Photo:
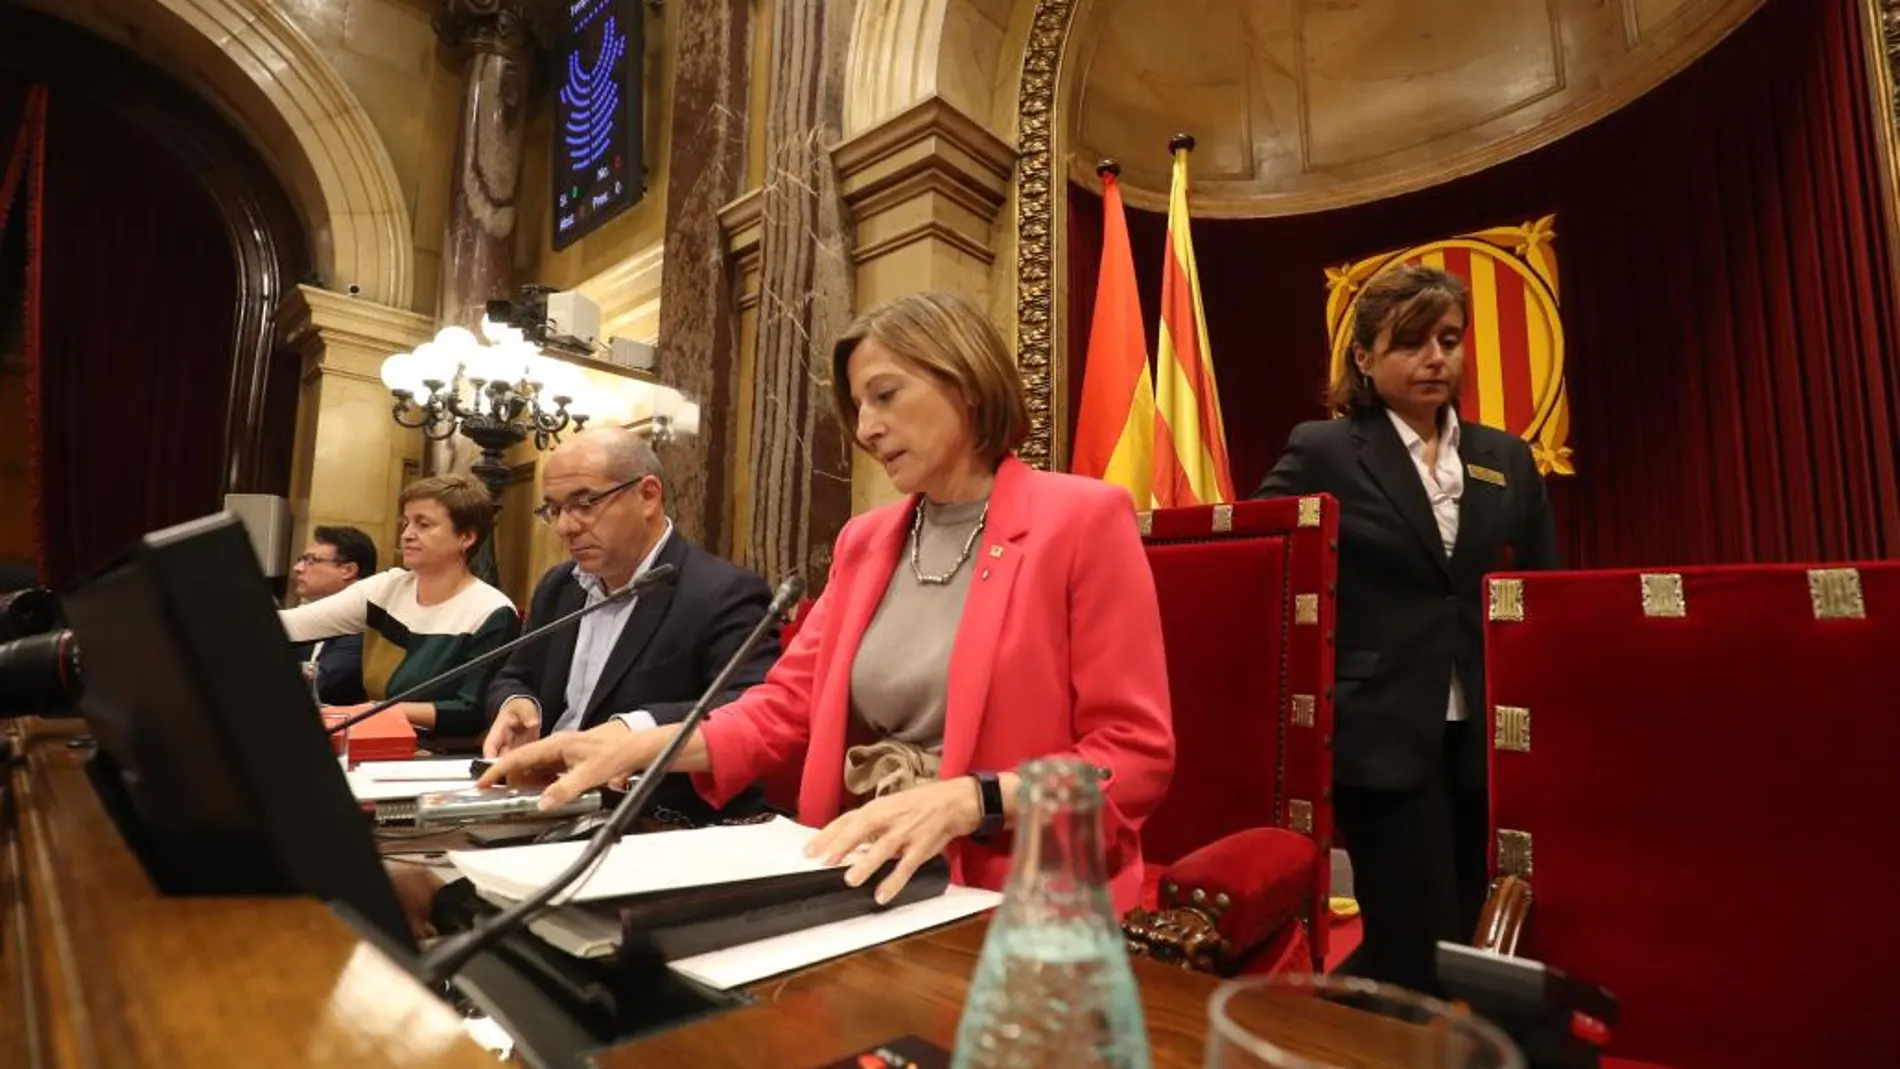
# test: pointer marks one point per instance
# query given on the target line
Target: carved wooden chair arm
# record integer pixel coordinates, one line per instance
(1222, 904)
(1187, 935)
(1507, 909)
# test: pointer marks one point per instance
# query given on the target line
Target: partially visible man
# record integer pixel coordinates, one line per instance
(335, 558)
(605, 495)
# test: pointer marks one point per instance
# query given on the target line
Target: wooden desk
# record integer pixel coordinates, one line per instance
(911, 987)
(98, 969)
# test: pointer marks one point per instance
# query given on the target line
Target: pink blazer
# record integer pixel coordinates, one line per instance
(1058, 652)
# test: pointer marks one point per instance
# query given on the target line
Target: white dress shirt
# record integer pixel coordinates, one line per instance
(595, 638)
(1444, 485)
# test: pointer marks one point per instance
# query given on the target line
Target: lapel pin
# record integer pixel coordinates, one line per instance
(1484, 474)
(996, 552)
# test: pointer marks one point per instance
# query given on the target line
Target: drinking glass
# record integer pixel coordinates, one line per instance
(1339, 1022)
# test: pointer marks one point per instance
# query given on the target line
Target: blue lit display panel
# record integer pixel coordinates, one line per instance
(598, 170)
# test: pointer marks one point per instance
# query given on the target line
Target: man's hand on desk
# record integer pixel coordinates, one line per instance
(568, 763)
(517, 724)
(912, 826)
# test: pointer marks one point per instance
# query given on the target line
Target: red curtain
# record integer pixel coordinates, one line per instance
(130, 343)
(22, 137)
(1728, 303)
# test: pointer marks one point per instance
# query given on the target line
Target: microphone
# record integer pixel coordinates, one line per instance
(446, 958)
(659, 573)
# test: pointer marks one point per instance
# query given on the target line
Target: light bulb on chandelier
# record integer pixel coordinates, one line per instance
(498, 393)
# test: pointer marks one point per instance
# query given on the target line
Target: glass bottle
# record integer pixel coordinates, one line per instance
(1053, 988)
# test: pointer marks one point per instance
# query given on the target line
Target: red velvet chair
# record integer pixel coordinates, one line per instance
(1241, 849)
(1695, 781)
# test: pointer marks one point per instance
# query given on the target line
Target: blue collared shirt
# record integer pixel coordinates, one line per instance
(596, 636)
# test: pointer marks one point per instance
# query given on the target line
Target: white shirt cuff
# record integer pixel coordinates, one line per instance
(638, 720)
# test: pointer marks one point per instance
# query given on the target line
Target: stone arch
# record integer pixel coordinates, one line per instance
(270, 80)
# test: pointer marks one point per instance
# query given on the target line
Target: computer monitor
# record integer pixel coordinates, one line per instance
(213, 761)
(211, 756)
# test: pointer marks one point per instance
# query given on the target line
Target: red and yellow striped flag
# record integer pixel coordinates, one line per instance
(1190, 464)
(1114, 432)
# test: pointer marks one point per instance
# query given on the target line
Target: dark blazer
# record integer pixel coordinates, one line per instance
(1408, 614)
(675, 641)
(339, 669)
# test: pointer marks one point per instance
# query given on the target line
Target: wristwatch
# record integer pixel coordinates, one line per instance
(991, 792)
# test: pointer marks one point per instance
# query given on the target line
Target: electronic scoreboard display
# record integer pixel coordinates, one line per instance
(598, 170)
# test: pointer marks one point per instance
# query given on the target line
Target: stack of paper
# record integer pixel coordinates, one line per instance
(638, 864)
(385, 781)
(735, 966)
(666, 861)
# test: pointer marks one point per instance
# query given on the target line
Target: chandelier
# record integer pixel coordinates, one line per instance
(496, 394)
(500, 393)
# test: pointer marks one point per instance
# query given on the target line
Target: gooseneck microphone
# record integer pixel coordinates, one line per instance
(447, 957)
(654, 576)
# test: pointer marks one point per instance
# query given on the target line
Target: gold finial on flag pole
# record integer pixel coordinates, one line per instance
(1181, 141)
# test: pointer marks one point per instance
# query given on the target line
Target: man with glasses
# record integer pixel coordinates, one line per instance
(604, 494)
(335, 558)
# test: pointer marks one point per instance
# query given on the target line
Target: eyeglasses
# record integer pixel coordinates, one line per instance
(311, 558)
(582, 507)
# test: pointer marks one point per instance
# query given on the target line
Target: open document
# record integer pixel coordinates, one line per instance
(638, 868)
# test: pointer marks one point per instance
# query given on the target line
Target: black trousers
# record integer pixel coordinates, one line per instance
(1418, 868)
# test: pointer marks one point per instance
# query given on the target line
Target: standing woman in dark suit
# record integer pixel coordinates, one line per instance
(1428, 505)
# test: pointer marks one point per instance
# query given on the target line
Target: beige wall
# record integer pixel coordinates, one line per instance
(387, 54)
(350, 459)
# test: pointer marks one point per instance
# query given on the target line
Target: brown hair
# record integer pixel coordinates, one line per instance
(1411, 298)
(467, 501)
(950, 339)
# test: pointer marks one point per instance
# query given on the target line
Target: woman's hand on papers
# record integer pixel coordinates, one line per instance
(911, 826)
(569, 762)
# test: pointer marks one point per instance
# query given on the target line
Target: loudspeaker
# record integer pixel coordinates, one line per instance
(267, 521)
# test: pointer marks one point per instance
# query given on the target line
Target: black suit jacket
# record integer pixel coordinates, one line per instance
(1408, 615)
(339, 669)
(674, 643)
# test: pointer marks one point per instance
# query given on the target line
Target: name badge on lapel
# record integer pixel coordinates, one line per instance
(1484, 474)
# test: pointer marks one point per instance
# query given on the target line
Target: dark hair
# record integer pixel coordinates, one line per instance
(352, 547)
(1409, 297)
(950, 339)
(467, 501)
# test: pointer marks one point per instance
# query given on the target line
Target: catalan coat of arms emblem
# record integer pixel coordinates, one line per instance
(1514, 348)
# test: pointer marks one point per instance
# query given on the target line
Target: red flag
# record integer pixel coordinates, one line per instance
(1114, 434)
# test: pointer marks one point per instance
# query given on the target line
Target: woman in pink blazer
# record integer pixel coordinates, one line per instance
(995, 615)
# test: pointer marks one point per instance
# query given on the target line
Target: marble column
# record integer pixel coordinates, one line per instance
(698, 344)
(799, 459)
(479, 242)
